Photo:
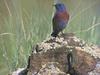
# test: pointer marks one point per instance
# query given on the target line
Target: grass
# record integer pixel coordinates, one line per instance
(29, 22)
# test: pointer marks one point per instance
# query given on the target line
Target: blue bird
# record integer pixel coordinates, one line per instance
(60, 19)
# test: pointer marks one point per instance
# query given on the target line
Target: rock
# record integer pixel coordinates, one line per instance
(53, 52)
(86, 62)
(50, 68)
(50, 56)
(18, 71)
(96, 71)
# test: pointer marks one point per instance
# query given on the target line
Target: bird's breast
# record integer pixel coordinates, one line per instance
(62, 16)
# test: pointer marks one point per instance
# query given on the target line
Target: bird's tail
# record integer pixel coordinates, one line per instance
(54, 34)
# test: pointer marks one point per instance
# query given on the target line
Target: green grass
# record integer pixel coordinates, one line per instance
(29, 22)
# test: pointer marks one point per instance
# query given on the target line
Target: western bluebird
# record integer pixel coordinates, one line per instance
(60, 19)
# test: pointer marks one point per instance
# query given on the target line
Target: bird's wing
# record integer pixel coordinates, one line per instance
(54, 22)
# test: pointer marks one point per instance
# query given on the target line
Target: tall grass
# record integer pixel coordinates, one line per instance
(29, 22)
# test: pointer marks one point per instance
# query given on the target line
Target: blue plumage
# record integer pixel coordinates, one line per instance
(60, 19)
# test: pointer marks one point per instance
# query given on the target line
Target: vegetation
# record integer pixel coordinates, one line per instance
(24, 23)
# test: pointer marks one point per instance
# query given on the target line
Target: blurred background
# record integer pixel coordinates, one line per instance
(23, 23)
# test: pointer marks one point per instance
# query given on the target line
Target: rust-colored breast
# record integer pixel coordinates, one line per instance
(64, 16)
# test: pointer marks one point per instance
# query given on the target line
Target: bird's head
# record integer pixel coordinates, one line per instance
(60, 7)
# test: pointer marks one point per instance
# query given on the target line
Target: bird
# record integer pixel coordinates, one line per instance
(60, 19)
